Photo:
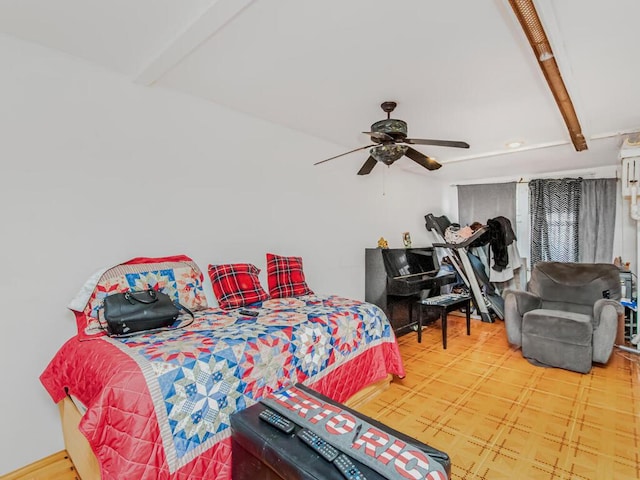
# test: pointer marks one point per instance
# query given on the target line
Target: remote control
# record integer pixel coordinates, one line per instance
(277, 420)
(327, 451)
(250, 313)
(348, 469)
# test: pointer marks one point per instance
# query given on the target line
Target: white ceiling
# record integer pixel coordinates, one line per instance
(459, 69)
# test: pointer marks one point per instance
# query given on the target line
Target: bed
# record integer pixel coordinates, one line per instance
(157, 405)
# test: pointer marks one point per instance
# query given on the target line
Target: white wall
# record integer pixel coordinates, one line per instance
(96, 170)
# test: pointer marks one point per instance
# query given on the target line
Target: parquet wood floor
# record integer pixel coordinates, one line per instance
(499, 417)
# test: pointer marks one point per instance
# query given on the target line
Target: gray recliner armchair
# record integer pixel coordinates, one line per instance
(568, 317)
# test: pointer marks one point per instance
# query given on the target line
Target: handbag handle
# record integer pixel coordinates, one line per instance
(152, 297)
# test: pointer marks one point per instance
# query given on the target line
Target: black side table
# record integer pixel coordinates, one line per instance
(443, 304)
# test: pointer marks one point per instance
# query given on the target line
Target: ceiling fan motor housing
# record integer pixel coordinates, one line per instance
(388, 152)
(392, 127)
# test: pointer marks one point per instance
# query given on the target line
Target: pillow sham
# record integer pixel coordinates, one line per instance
(177, 276)
(236, 284)
(285, 277)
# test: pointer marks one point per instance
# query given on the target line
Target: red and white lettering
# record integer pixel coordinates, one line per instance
(436, 475)
(371, 440)
(391, 452)
(296, 401)
(325, 411)
(412, 464)
(340, 424)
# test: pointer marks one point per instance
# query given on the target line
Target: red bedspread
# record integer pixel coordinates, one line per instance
(158, 409)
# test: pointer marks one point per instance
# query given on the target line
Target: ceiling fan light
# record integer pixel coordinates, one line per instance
(388, 154)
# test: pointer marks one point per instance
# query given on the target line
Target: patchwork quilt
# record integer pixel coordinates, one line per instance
(158, 404)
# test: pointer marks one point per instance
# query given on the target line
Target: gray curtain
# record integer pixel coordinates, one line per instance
(479, 203)
(597, 220)
(554, 207)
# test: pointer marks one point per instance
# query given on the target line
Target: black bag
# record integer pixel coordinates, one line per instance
(132, 312)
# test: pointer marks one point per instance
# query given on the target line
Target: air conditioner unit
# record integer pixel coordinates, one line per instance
(630, 156)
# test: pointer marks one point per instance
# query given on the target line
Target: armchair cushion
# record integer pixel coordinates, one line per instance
(558, 339)
(565, 327)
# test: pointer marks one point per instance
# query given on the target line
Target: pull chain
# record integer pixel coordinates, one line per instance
(384, 181)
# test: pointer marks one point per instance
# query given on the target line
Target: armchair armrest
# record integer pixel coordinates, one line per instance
(606, 315)
(599, 306)
(516, 304)
(525, 301)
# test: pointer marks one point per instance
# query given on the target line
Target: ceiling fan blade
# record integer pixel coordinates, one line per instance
(422, 159)
(368, 166)
(379, 136)
(343, 154)
(437, 143)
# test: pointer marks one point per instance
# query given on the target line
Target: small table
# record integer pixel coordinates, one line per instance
(443, 304)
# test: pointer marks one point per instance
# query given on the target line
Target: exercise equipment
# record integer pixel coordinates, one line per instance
(469, 267)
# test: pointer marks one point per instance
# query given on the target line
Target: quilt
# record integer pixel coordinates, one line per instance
(158, 404)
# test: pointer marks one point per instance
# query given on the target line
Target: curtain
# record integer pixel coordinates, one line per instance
(479, 203)
(554, 206)
(572, 220)
(597, 220)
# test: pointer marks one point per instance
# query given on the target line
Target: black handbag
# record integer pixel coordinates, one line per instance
(132, 312)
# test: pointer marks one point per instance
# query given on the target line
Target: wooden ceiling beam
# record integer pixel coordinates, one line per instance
(527, 15)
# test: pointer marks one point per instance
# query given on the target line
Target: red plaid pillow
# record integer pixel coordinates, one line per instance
(285, 277)
(236, 285)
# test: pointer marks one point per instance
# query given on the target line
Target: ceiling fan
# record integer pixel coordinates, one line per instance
(390, 142)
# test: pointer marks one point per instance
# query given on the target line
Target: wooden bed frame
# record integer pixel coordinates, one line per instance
(86, 463)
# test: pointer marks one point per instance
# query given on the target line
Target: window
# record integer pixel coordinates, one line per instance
(572, 220)
(555, 210)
